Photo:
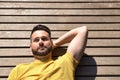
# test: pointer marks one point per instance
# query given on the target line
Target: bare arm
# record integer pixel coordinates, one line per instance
(77, 38)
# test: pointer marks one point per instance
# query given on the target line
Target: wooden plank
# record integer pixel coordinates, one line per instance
(93, 52)
(104, 34)
(1, 78)
(92, 61)
(58, 12)
(83, 70)
(13, 34)
(99, 63)
(60, 26)
(15, 52)
(4, 5)
(103, 42)
(15, 61)
(56, 34)
(99, 70)
(14, 43)
(62, 0)
(95, 61)
(103, 51)
(70, 19)
(91, 42)
(5, 52)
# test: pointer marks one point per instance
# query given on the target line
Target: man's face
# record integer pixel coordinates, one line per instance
(41, 44)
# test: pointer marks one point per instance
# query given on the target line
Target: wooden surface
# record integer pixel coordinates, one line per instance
(101, 60)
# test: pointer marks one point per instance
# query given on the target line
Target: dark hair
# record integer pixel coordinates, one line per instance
(41, 27)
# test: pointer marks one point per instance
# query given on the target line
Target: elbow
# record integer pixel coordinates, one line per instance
(83, 29)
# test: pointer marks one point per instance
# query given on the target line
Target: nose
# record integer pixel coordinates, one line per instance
(40, 42)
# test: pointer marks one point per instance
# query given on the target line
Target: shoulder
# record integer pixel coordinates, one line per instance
(14, 72)
(23, 65)
(20, 67)
(67, 58)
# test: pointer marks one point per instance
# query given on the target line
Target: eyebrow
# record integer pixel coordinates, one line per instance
(41, 37)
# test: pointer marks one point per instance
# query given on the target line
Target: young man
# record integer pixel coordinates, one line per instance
(44, 67)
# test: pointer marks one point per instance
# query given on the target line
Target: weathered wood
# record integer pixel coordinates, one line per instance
(100, 70)
(58, 12)
(91, 42)
(103, 51)
(14, 5)
(62, 0)
(101, 60)
(53, 19)
(58, 27)
(15, 52)
(103, 42)
(6, 52)
(57, 34)
(12, 61)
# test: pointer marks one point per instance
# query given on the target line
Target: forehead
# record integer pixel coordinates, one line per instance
(40, 33)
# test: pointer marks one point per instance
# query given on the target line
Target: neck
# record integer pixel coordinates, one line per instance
(44, 58)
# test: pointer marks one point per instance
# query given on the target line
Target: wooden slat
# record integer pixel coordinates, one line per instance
(58, 12)
(13, 34)
(83, 70)
(103, 42)
(104, 34)
(91, 42)
(102, 70)
(1, 78)
(89, 51)
(15, 52)
(56, 34)
(39, 19)
(63, 0)
(12, 61)
(102, 55)
(103, 51)
(60, 26)
(58, 5)
(15, 61)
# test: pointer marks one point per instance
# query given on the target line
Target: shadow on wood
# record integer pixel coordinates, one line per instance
(58, 52)
(87, 69)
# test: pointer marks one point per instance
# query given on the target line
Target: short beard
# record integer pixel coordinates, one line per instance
(45, 53)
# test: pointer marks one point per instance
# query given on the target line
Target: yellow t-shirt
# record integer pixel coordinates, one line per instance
(61, 69)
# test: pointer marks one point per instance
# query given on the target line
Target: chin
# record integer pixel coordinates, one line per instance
(42, 53)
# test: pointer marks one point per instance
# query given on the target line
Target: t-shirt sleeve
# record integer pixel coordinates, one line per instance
(68, 57)
(68, 60)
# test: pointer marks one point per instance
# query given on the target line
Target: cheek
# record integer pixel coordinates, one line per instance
(34, 46)
(49, 43)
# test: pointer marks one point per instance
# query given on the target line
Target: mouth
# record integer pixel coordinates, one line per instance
(42, 51)
(41, 48)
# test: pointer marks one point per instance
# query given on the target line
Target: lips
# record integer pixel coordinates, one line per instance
(41, 48)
